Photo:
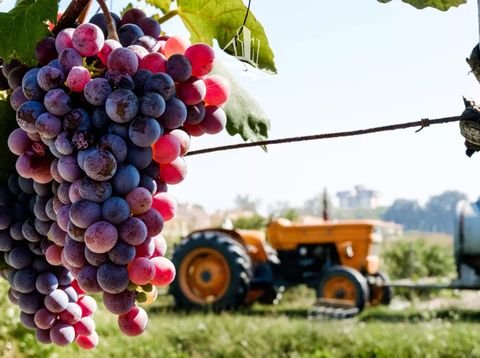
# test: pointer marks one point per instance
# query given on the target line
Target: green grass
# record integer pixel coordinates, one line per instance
(264, 331)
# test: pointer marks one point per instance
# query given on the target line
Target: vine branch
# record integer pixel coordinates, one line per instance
(70, 15)
(422, 123)
(112, 30)
(169, 15)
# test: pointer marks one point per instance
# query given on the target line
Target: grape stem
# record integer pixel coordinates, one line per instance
(112, 30)
(70, 15)
(83, 15)
(168, 16)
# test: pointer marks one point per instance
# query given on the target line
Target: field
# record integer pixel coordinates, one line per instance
(263, 331)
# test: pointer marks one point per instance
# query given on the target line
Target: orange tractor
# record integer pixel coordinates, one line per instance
(226, 269)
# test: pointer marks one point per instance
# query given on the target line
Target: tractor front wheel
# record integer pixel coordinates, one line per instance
(345, 285)
(213, 271)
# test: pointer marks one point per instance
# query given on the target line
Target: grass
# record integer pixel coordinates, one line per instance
(264, 331)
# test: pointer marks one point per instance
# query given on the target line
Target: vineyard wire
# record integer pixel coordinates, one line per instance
(421, 123)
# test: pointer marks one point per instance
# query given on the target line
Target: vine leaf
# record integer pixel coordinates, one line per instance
(163, 5)
(7, 124)
(207, 20)
(442, 5)
(244, 114)
(23, 26)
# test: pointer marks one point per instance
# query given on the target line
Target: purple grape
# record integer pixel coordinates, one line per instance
(120, 80)
(30, 302)
(43, 336)
(62, 193)
(100, 119)
(75, 232)
(44, 319)
(122, 106)
(175, 114)
(30, 86)
(133, 231)
(140, 51)
(149, 26)
(62, 334)
(45, 50)
(56, 301)
(96, 91)
(112, 278)
(195, 113)
(152, 104)
(115, 144)
(64, 39)
(46, 283)
(57, 235)
(121, 253)
(71, 293)
(101, 236)
(94, 258)
(73, 252)
(129, 33)
(132, 16)
(119, 303)
(57, 102)
(161, 83)
(48, 125)
(119, 129)
(99, 20)
(68, 59)
(139, 157)
(126, 179)
(154, 222)
(26, 185)
(39, 208)
(27, 320)
(63, 217)
(84, 213)
(149, 43)
(144, 131)
(18, 98)
(63, 144)
(115, 210)
(74, 191)
(100, 165)
(139, 79)
(24, 280)
(49, 77)
(77, 119)
(27, 115)
(95, 191)
(87, 279)
(81, 155)
(20, 257)
(68, 168)
(6, 241)
(179, 67)
(42, 227)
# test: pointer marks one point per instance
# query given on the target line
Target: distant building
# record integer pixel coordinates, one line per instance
(360, 198)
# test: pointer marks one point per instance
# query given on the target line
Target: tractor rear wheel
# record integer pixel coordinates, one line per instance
(344, 284)
(213, 271)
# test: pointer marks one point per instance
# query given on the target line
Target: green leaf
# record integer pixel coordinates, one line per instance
(23, 26)
(163, 5)
(221, 19)
(244, 114)
(442, 5)
(8, 123)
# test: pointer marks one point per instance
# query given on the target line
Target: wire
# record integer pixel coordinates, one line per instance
(422, 123)
(246, 17)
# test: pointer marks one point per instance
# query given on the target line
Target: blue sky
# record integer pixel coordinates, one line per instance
(346, 65)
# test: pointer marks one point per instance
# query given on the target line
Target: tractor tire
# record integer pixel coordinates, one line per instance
(344, 283)
(213, 272)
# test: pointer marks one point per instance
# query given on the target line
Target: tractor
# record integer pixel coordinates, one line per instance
(223, 269)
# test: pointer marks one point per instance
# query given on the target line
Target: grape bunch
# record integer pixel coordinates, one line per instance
(103, 128)
(50, 301)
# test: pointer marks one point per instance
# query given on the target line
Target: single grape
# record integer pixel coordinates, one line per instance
(18, 141)
(122, 253)
(192, 92)
(97, 91)
(173, 172)
(141, 271)
(149, 26)
(175, 114)
(139, 79)
(119, 303)
(101, 237)
(68, 168)
(57, 102)
(94, 258)
(30, 302)
(144, 131)
(46, 283)
(122, 106)
(44, 319)
(63, 143)
(175, 45)
(133, 231)
(86, 325)
(161, 83)
(139, 51)
(151, 44)
(165, 205)
(62, 334)
(132, 16)
(53, 255)
(56, 301)
(99, 20)
(108, 46)
(72, 314)
(30, 86)
(139, 157)
(95, 191)
(134, 322)
(139, 200)
(201, 57)
(48, 125)
(24, 280)
(43, 336)
(84, 213)
(164, 271)
(123, 60)
(166, 149)
(88, 306)
(100, 165)
(69, 58)
(115, 144)
(20, 257)
(87, 279)
(152, 104)
(27, 115)
(88, 342)
(64, 39)
(27, 320)
(115, 210)
(129, 33)
(218, 90)
(153, 221)
(17, 98)
(126, 179)
(214, 121)
(112, 278)
(88, 39)
(154, 62)
(179, 68)
(45, 50)
(160, 246)
(73, 252)
(184, 139)
(77, 78)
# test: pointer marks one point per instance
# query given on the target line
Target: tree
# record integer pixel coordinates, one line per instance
(244, 202)
(408, 213)
(440, 211)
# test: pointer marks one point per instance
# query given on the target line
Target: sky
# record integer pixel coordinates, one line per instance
(346, 65)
